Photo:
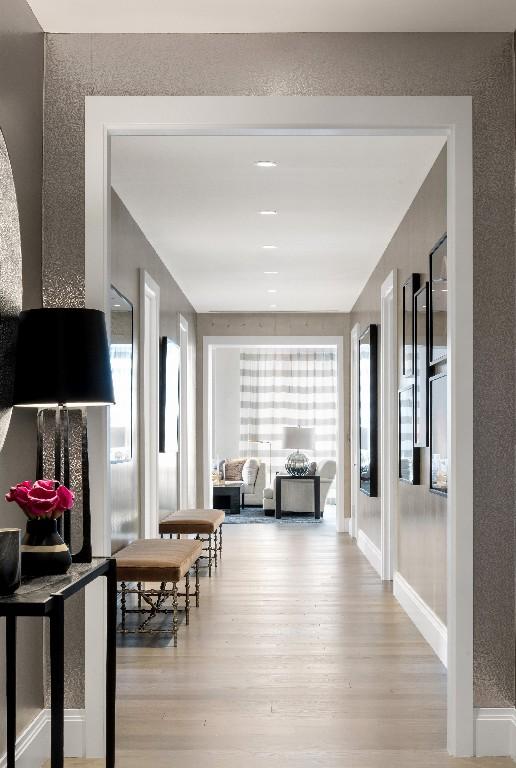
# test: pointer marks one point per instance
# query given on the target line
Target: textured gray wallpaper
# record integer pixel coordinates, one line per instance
(480, 65)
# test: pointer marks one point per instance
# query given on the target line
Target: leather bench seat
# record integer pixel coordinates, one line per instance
(157, 559)
(192, 521)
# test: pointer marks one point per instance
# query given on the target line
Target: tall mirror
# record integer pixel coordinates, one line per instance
(121, 351)
(10, 285)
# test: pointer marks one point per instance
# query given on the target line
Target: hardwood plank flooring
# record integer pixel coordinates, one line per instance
(299, 657)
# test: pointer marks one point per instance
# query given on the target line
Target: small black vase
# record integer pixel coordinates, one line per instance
(43, 551)
(9, 560)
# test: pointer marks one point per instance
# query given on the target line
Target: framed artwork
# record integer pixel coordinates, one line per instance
(408, 454)
(409, 289)
(169, 396)
(421, 367)
(438, 433)
(121, 356)
(368, 410)
(438, 331)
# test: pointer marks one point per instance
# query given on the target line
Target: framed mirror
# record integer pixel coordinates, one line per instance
(368, 410)
(169, 396)
(438, 397)
(409, 289)
(121, 354)
(421, 367)
(408, 454)
(438, 302)
(10, 286)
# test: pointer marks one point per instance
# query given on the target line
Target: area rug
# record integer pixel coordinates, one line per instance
(257, 515)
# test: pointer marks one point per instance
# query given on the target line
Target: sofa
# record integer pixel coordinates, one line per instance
(299, 497)
(251, 494)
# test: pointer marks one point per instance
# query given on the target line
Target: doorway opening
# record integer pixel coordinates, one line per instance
(375, 116)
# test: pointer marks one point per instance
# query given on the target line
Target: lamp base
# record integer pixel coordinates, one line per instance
(297, 464)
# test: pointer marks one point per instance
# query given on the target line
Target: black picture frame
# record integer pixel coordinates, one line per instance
(421, 364)
(438, 306)
(121, 350)
(438, 410)
(169, 383)
(408, 454)
(410, 287)
(368, 410)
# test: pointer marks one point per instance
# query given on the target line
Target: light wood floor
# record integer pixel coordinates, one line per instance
(298, 658)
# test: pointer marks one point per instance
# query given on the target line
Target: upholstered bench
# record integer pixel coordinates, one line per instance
(157, 561)
(204, 523)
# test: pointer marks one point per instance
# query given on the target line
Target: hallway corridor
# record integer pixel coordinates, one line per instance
(298, 658)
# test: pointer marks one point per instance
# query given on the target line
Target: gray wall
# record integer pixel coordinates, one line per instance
(21, 120)
(480, 65)
(271, 324)
(421, 514)
(130, 250)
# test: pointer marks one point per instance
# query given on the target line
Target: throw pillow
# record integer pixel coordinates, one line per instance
(250, 471)
(233, 469)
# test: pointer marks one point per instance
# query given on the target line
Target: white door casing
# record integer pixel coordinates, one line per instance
(148, 405)
(354, 431)
(184, 409)
(450, 116)
(389, 423)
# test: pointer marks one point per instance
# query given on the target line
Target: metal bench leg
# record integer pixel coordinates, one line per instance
(178, 535)
(220, 541)
(139, 585)
(197, 583)
(174, 613)
(215, 536)
(187, 598)
(209, 554)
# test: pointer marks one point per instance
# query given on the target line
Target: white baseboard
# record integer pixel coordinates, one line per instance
(495, 732)
(344, 525)
(370, 550)
(33, 744)
(428, 623)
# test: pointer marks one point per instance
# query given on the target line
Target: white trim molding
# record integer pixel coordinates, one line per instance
(427, 622)
(370, 550)
(450, 116)
(33, 743)
(495, 732)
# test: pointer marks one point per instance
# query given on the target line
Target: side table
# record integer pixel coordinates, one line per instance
(46, 597)
(227, 497)
(303, 479)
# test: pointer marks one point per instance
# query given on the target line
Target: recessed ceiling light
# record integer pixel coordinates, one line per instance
(273, 306)
(272, 290)
(270, 272)
(269, 247)
(116, 305)
(266, 164)
(268, 213)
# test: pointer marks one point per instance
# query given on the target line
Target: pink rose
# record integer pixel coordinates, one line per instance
(42, 499)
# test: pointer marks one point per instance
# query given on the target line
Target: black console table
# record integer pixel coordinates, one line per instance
(227, 497)
(45, 597)
(316, 479)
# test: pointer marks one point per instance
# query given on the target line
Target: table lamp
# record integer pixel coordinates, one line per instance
(62, 362)
(298, 437)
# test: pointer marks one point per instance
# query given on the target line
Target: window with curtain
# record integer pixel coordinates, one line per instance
(287, 387)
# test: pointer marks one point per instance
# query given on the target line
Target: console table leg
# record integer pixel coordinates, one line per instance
(111, 663)
(10, 657)
(57, 684)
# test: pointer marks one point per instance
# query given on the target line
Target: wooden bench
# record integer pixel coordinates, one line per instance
(157, 561)
(206, 524)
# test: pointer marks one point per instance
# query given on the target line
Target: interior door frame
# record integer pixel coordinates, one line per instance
(389, 423)
(148, 405)
(354, 431)
(449, 116)
(184, 397)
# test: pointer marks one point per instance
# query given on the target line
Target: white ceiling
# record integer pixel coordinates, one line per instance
(275, 15)
(339, 201)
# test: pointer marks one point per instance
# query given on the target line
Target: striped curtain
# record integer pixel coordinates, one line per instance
(287, 387)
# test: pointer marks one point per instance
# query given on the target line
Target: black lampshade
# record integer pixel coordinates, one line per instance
(62, 358)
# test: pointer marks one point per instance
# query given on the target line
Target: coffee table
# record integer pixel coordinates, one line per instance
(227, 497)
